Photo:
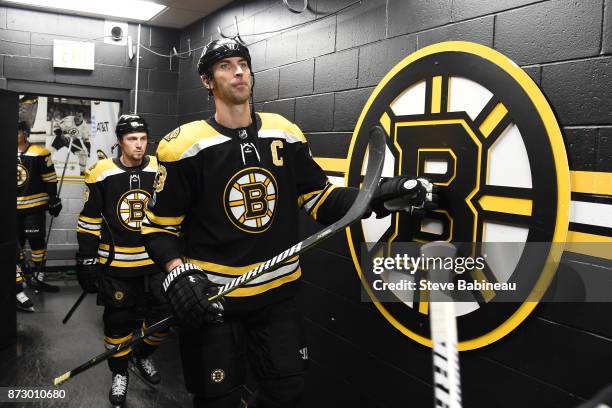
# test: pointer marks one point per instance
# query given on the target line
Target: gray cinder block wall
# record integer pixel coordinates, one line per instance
(320, 75)
(26, 66)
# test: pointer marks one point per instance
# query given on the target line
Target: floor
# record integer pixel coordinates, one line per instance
(46, 348)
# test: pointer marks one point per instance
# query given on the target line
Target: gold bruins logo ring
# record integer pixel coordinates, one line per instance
(131, 208)
(472, 121)
(22, 175)
(250, 199)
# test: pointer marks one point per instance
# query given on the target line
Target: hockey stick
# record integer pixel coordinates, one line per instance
(446, 376)
(111, 258)
(376, 158)
(141, 335)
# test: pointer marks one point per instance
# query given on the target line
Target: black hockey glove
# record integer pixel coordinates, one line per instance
(187, 288)
(402, 193)
(55, 206)
(88, 273)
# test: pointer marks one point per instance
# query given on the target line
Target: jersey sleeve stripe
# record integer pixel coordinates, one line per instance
(256, 290)
(165, 221)
(231, 270)
(305, 198)
(86, 231)
(146, 229)
(321, 200)
(90, 220)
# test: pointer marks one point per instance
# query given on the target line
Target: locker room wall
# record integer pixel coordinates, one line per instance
(321, 74)
(26, 66)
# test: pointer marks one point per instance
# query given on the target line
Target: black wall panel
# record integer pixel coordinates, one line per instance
(320, 75)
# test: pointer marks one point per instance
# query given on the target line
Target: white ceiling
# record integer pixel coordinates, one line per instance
(181, 13)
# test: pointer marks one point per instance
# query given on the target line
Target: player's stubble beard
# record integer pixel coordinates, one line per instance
(232, 95)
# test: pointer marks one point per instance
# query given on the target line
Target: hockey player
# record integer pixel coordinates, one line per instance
(227, 196)
(75, 128)
(117, 191)
(36, 192)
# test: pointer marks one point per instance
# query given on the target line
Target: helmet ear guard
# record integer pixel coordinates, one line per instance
(130, 124)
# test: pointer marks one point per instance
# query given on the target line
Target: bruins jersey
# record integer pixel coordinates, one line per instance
(119, 194)
(228, 199)
(36, 179)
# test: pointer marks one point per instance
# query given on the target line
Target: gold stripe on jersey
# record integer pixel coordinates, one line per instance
(90, 220)
(256, 290)
(124, 250)
(306, 197)
(188, 140)
(101, 170)
(125, 264)
(222, 275)
(313, 206)
(49, 177)
(273, 121)
(231, 270)
(33, 200)
(148, 229)
(166, 221)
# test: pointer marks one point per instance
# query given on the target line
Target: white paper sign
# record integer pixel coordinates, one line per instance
(73, 54)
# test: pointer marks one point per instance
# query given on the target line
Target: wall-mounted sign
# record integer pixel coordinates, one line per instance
(73, 54)
(470, 119)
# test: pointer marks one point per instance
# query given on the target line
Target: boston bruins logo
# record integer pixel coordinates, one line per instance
(250, 199)
(22, 175)
(471, 120)
(131, 208)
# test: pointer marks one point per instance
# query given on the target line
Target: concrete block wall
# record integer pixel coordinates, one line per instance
(320, 74)
(26, 54)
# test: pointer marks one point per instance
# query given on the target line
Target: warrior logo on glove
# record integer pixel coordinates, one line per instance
(471, 121)
(250, 199)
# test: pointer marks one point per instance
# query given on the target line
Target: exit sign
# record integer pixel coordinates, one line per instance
(73, 54)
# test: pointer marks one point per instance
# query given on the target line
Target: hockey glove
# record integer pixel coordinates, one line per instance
(402, 193)
(55, 206)
(187, 288)
(88, 273)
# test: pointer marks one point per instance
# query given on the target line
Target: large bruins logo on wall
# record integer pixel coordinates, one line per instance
(250, 199)
(471, 120)
(22, 175)
(131, 208)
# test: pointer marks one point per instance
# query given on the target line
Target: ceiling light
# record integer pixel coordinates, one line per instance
(129, 9)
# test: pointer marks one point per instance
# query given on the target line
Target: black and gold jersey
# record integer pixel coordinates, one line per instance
(228, 199)
(120, 194)
(36, 179)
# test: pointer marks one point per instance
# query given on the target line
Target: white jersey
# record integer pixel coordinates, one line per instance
(71, 129)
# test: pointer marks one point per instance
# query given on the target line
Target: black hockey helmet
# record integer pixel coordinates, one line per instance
(23, 127)
(219, 49)
(130, 124)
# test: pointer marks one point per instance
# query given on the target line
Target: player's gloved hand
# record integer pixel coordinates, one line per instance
(402, 193)
(187, 288)
(55, 206)
(88, 272)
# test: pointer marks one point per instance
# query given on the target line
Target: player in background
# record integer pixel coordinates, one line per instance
(227, 197)
(76, 128)
(116, 192)
(36, 193)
